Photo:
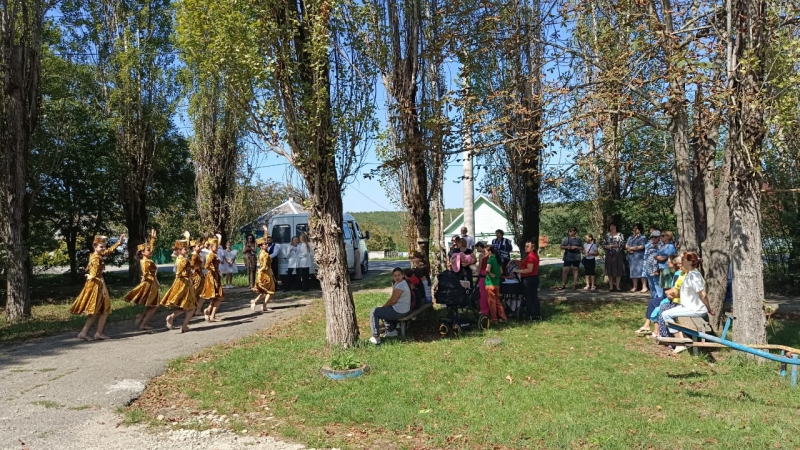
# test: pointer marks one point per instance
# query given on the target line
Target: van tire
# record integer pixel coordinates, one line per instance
(365, 264)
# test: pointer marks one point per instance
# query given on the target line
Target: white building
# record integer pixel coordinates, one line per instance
(488, 219)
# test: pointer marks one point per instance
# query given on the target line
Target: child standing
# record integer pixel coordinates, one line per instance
(480, 252)
(94, 299)
(212, 283)
(589, 252)
(181, 295)
(265, 278)
(146, 293)
(493, 280)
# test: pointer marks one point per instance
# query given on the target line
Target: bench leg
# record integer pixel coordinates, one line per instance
(403, 330)
(695, 350)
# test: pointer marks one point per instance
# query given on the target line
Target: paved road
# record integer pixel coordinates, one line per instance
(60, 392)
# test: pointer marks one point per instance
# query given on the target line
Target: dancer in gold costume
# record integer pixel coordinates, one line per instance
(265, 279)
(146, 293)
(212, 283)
(181, 295)
(94, 299)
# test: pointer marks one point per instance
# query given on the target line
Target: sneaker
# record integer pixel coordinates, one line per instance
(374, 340)
(679, 348)
(391, 334)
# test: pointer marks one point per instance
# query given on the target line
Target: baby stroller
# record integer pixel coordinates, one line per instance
(462, 304)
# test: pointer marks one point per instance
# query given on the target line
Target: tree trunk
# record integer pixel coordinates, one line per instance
(419, 209)
(215, 150)
(341, 328)
(611, 193)
(717, 247)
(684, 208)
(20, 65)
(748, 272)
(71, 238)
(400, 80)
(135, 211)
(327, 235)
(747, 132)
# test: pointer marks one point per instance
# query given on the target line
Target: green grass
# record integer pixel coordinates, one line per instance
(373, 280)
(48, 404)
(578, 380)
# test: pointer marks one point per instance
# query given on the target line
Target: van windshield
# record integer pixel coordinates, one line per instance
(281, 234)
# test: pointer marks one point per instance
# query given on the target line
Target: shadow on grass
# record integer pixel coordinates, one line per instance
(687, 375)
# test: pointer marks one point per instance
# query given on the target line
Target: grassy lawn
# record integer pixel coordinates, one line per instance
(578, 380)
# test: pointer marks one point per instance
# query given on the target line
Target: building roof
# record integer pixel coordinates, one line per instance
(287, 207)
(456, 224)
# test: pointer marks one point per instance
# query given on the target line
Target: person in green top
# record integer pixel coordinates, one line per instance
(493, 281)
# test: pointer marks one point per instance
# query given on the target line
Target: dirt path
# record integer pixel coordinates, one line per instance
(60, 392)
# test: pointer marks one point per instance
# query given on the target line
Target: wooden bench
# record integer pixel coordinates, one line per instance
(693, 323)
(403, 321)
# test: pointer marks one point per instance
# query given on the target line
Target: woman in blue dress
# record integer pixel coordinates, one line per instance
(635, 247)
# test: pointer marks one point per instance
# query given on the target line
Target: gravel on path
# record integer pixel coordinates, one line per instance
(63, 393)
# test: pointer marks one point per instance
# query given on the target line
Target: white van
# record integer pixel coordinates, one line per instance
(283, 227)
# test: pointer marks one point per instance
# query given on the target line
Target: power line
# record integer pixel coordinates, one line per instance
(373, 201)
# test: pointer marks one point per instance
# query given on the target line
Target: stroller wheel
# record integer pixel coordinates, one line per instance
(483, 322)
(457, 330)
(444, 329)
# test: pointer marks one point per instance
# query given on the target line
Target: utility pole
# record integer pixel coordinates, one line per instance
(468, 176)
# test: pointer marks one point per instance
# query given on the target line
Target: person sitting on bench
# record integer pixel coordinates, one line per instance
(398, 305)
(694, 302)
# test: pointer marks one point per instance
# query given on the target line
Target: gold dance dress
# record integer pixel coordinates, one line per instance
(94, 298)
(181, 294)
(265, 279)
(146, 293)
(212, 285)
(197, 272)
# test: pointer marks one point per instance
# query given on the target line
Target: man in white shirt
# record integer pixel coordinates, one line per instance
(468, 238)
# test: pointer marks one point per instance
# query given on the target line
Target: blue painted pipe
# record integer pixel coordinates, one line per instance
(727, 327)
(783, 365)
(794, 370)
(741, 347)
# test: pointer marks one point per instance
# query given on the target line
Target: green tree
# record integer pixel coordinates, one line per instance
(72, 157)
(130, 43)
(21, 27)
(309, 94)
(217, 116)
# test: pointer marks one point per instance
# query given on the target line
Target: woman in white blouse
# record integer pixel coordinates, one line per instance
(292, 255)
(303, 260)
(694, 302)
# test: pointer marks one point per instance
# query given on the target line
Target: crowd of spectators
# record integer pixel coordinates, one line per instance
(651, 261)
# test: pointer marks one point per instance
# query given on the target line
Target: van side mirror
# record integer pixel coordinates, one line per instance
(366, 234)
